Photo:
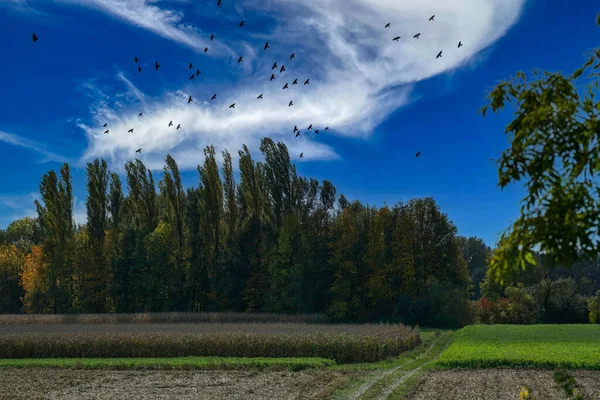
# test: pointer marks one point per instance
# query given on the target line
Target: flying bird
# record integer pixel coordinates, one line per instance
(295, 81)
(139, 69)
(291, 104)
(388, 25)
(205, 49)
(191, 65)
(310, 127)
(242, 23)
(214, 97)
(192, 77)
(295, 128)
(106, 131)
(198, 72)
(317, 131)
(267, 45)
(274, 65)
(286, 86)
(105, 125)
(439, 55)
(418, 154)
(397, 38)
(35, 38)
(432, 17)
(138, 151)
(272, 77)
(156, 65)
(298, 134)
(232, 106)
(326, 129)
(416, 36)
(136, 59)
(171, 123)
(130, 131)
(212, 36)
(240, 59)
(293, 56)
(282, 68)
(178, 126)
(460, 45)
(301, 155)
(219, 3)
(259, 97)
(190, 100)
(307, 82)
(140, 114)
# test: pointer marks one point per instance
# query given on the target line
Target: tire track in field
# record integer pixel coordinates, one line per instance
(364, 388)
(387, 391)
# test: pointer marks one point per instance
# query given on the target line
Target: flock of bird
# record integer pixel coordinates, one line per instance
(273, 77)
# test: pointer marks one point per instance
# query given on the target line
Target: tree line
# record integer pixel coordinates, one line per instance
(270, 241)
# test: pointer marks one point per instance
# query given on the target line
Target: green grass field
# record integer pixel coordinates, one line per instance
(207, 363)
(535, 346)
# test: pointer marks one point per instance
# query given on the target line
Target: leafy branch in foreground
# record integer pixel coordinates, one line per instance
(555, 150)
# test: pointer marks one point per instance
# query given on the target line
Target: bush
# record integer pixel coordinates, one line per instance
(593, 305)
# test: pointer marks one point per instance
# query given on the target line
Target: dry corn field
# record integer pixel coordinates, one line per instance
(342, 343)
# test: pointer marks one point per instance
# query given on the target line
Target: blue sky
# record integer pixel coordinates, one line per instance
(382, 100)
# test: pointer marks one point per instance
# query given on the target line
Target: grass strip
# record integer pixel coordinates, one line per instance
(177, 363)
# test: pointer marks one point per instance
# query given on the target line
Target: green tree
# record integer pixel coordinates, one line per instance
(554, 150)
(476, 254)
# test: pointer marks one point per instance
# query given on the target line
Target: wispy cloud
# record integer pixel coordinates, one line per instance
(15, 207)
(358, 75)
(20, 141)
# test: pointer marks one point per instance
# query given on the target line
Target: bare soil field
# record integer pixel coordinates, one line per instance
(16, 384)
(500, 384)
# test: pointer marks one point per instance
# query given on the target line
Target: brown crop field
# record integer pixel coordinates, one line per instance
(342, 343)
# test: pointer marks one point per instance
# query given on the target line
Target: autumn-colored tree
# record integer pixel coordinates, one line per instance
(34, 279)
(11, 260)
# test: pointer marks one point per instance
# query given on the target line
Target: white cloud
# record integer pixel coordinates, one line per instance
(358, 75)
(16, 207)
(20, 141)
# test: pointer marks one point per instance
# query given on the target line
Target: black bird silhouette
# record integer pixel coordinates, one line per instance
(282, 69)
(285, 86)
(295, 128)
(171, 123)
(242, 23)
(130, 131)
(293, 56)
(190, 100)
(240, 59)
(310, 127)
(317, 131)
(274, 65)
(140, 114)
(105, 125)
(418, 154)
(139, 69)
(388, 25)
(301, 155)
(267, 45)
(298, 134)
(156, 65)
(191, 65)
(136, 59)
(295, 81)
(416, 36)
(106, 131)
(192, 77)
(178, 126)
(326, 129)
(291, 104)
(205, 49)
(272, 77)
(397, 38)
(232, 106)
(219, 3)
(259, 97)
(198, 72)
(138, 151)
(212, 36)
(432, 17)
(439, 55)
(460, 45)
(307, 82)
(35, 38)
(214, 97)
